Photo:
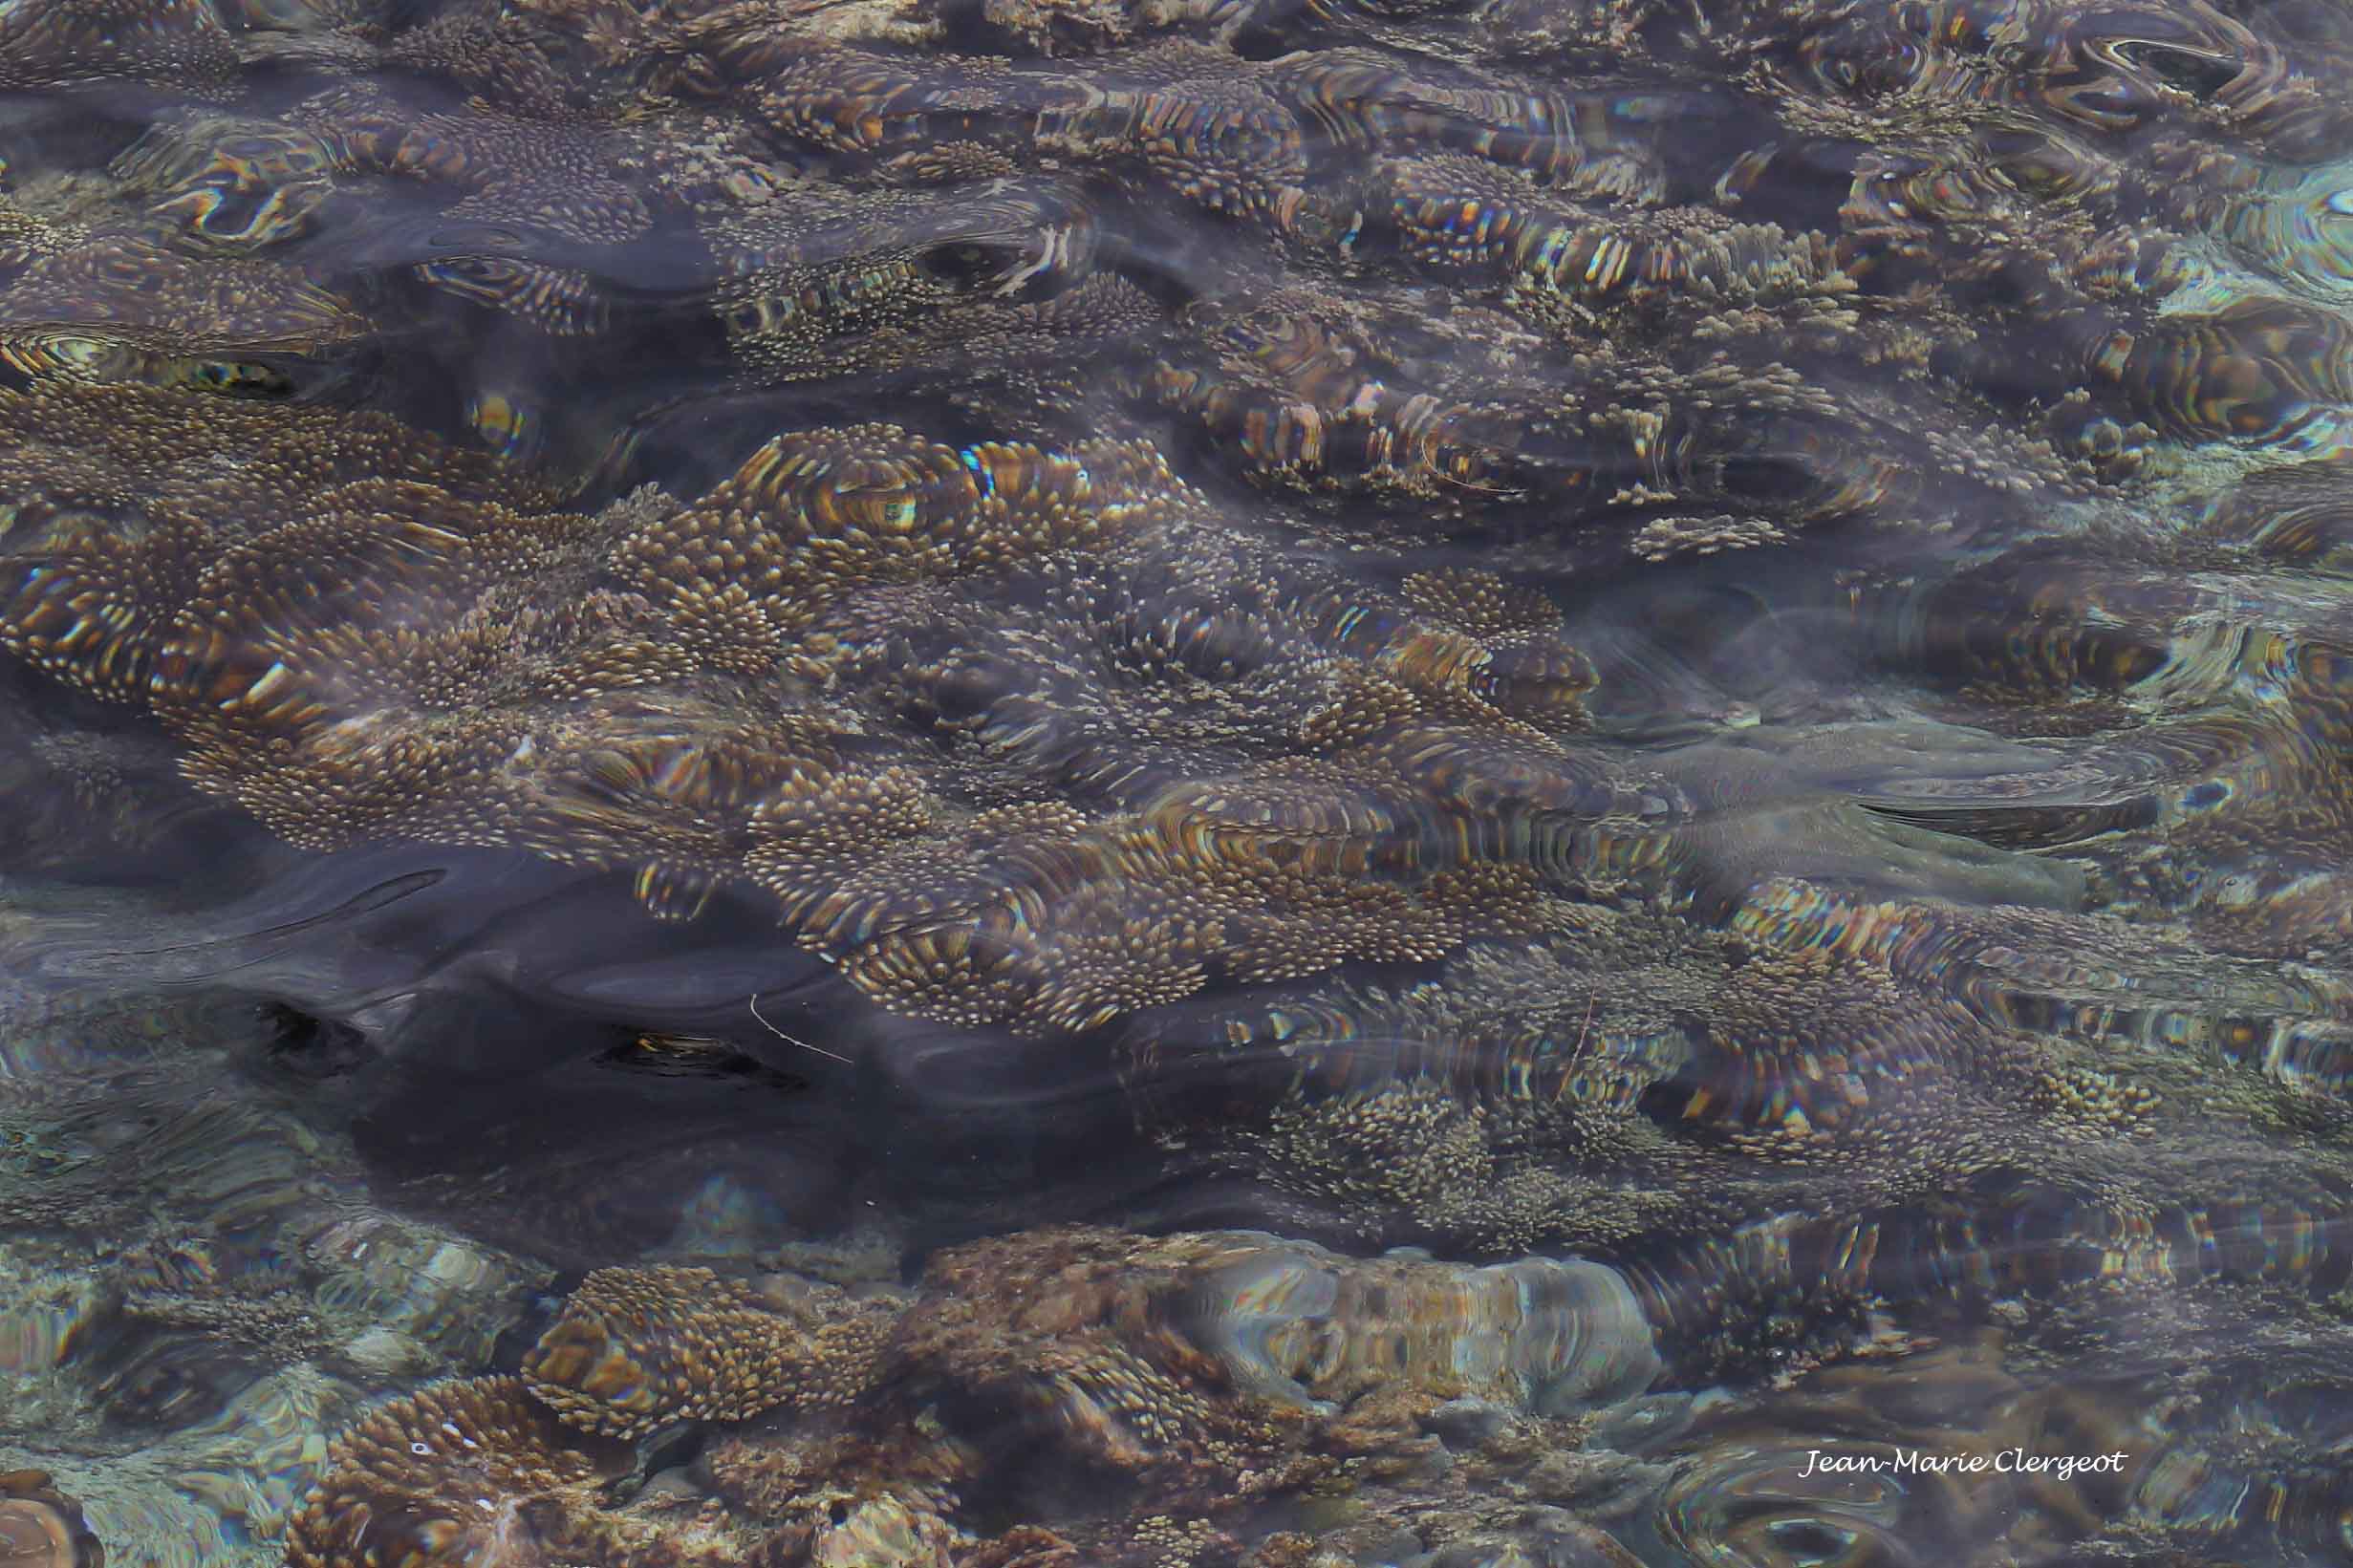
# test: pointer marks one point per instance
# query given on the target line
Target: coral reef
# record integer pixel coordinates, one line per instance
(636, 1349)
(1192, 1376)
(1461, 753)
(447, 1475)
(774, 580)
(1196, 1381)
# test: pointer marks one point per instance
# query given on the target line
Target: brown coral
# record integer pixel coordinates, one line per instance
(637, 1349)
(65, 41)
(591, 730)
(451, 1474)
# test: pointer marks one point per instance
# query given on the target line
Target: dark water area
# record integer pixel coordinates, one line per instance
(1211, 784)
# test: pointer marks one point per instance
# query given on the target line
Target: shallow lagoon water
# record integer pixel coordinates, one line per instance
(1448, 783)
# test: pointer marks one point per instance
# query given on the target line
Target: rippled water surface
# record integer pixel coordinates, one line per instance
(1211, 784)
